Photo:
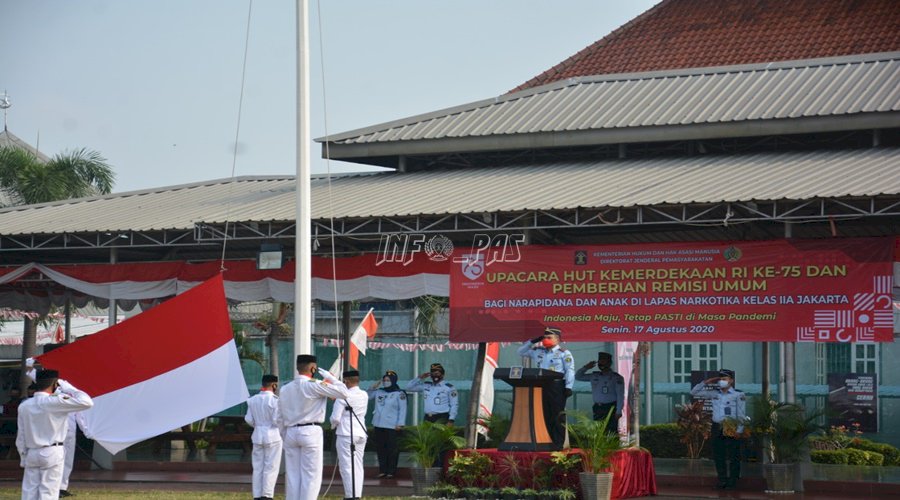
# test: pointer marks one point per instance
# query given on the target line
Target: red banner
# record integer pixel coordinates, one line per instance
(836, 290)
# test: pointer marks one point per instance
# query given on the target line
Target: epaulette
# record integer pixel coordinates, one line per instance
(449, 384)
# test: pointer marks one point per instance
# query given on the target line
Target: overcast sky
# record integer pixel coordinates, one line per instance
(154, 85)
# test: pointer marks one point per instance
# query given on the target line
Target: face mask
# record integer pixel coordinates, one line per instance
(723, 384)
(387, 383)
(548, 343)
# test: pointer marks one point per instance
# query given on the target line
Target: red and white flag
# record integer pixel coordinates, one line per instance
(486, 394)
(164, 368)
(365, 331)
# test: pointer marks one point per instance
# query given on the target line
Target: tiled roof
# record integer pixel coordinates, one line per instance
(701, 33)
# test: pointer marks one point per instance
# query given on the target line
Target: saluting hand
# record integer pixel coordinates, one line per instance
(590, 365)
(425, 375)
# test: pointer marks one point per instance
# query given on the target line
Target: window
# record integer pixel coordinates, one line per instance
(865, 358)
(688, 357)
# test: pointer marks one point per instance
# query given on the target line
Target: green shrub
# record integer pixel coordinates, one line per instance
(862, 457)
(829, 457)
(891, 453)
(664, 441)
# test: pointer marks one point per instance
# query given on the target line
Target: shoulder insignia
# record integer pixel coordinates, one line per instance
(563, 349)
(453, 393)
(568, 359)
(743, 398)
(402, 395)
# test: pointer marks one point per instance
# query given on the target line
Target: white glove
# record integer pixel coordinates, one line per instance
(32, 374)
(29, 362)
(327, 375)
(66, 386)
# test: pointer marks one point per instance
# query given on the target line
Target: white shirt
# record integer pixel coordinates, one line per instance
(43, 419)
(262, 409)
(303, 400)
(341, 418)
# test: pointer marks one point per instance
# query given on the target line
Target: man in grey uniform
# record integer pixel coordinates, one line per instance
(301, 411)
(441, 398)
(546, 354)
(607, 388)
(727, 403)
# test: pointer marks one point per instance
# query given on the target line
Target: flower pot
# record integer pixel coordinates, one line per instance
(779, 478)
(596, 486)
(423, 478)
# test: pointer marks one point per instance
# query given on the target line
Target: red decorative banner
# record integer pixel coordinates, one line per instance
(835, 290)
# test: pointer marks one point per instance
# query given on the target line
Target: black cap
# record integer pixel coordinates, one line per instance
(726, 373)
(437, 366)
(351, 373)
(305, 359)
(552, 330)
(601, 355)
(269, 379)
(47, 374)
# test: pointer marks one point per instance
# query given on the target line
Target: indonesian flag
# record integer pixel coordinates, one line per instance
(486, 395)
(365, 331)
(164, 368)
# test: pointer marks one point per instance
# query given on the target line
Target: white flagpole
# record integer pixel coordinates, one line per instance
(303, 274)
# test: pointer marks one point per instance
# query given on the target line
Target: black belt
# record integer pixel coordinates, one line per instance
(304, 425)
(437, 414)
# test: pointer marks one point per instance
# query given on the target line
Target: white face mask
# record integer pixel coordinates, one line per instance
(386, 383)
(723, 384)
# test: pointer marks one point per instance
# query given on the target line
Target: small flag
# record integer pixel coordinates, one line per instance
(486, 395)
(365, 331)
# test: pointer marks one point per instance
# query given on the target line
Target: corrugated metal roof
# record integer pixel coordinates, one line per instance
(607, 183)
(776, 91)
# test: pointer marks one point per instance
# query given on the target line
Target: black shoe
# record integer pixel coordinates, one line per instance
(382, 474)
(65, 493)
(720, 485)
(389, 476)
(730, 485)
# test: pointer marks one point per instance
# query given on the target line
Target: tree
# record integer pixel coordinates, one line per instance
(26, 180)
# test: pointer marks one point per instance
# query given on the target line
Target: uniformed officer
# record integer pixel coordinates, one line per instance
(388, 418)
(42, 427)
(301, 411)
(441, 399)
(546, 354)
(607, 389)
(727, 402)
(262, 410)
(348, 420)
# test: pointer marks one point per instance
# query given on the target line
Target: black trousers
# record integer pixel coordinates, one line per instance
(554, 412)
(727, 456)
(387, 450)
(600, 412)
(438, 418)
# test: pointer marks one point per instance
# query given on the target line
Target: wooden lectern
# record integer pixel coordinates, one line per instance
(528, 429)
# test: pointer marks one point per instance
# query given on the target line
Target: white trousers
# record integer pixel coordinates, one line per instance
(303, 462)
(266, 462)
(343, 454)
(69, 450)
(43, 471)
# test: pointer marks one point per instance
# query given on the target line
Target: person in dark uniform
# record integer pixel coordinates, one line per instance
(727, 403)
(607, 389)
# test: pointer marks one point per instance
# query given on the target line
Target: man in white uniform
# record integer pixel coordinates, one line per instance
(301, 410)
(262, 409)
(43, 425)
(348, 417)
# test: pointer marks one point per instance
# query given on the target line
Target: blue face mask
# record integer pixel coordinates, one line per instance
(723, 383)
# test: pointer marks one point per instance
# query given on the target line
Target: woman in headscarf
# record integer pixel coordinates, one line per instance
(389, 417)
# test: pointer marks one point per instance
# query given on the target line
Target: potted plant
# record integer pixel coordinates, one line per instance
(597, 447)
(695, 426)
(470, 469)
(785, 429)
(425, 442)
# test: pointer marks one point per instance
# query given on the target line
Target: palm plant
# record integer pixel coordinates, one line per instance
(428, 440)
(595, 442)
(25, 179)
(786, 426)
